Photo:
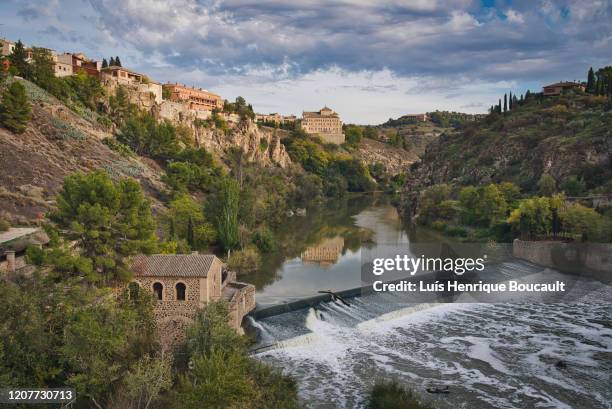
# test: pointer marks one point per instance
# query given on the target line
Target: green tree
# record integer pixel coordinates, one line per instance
(227, 218)
(117, 61)
(108, 220)
(15, 109)
(547, 185)
(590, 87)
(18, 61)
(533, 217)
(42, 71)
(184, 212)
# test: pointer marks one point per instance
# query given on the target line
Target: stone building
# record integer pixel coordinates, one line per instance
(196, 98)
(184, 283)
(326, 123)
(416, 117)
(7, 47)
(62, 64)
(140, 85)
(80, 63)
(276, 118)
(558, 87)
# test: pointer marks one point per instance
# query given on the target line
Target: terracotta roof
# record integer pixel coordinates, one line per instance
(564, 84)
(172, 265)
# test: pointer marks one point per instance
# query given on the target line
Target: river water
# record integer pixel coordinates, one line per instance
(500, 355)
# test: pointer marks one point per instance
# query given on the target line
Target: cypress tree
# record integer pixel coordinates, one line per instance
(15, 109)
(117, 61)
(505, 103)
(190, 237)
(527, 95)
(112, 62)
(499, 107)
(590, 87)
(104, 63)
(510, 102)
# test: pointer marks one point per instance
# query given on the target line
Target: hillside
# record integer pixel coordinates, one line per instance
(567, 137)
(56, 143)
(59, 141)
(395, 160)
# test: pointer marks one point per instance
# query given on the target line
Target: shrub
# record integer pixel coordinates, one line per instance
(15, 109)
(247, 260)
(264, 240)
(4, 225)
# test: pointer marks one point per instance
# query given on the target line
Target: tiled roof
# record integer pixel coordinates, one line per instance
(564, 84)
(172, 265)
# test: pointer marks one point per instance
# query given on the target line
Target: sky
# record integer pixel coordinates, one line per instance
(368, 60)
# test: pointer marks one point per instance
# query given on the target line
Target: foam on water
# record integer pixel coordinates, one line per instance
(490, 355)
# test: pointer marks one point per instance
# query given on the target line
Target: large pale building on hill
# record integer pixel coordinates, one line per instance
(326, 123)
(198, 99)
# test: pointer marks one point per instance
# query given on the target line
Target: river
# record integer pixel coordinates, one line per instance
(500, 355)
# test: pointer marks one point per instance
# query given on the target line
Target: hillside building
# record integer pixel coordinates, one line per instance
(197, 99)
(140, 84)
(62, 64)
(276, 118)
(182, 284)
(416, 117)
(326, 123)
(559, 87)
(7, 47)
(80, 63)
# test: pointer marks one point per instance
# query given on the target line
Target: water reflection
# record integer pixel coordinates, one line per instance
(323, 249)
(325, 253)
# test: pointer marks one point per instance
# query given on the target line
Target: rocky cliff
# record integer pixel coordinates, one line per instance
(259, 144)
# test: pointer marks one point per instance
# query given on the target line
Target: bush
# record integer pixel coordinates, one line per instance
(15, 109)
(264, 240)
(4, 225)
(247, 260)
(456, 231)
(392, 395)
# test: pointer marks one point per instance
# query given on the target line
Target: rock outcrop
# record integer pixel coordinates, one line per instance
(260, 145)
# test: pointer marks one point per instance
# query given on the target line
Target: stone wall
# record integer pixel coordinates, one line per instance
(593, 259)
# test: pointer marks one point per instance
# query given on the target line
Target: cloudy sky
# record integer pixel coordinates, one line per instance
(367, 59)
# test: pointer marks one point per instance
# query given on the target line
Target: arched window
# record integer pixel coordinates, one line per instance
(158, 290)
(180, 291)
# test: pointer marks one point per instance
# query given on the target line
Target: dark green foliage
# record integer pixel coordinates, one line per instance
(4, 225)
(590, 85)
(392, 395)
(117, 61)
(193, 169)
(104, 63)
(353, 134)
(108, 220)
(240, 107)
(71, 335)
(223, 209)
(15, 108)
(18, 61)
(148, 137)
(572, 186)
(223, 375)
(264, 240)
